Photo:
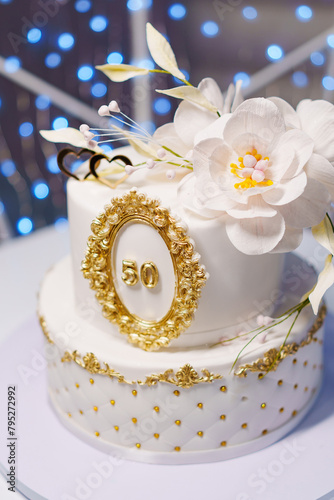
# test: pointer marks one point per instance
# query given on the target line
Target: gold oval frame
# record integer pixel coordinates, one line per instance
(190, 276)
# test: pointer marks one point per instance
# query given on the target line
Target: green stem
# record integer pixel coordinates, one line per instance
(169, 73)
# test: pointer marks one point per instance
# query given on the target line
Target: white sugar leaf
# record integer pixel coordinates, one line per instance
(67, 135)
(325, 281)
(324, 234)
(190, 94)
(161, 52)
(138, 145)
(121, 72)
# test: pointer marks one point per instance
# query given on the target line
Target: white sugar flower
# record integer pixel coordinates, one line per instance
(265, 179)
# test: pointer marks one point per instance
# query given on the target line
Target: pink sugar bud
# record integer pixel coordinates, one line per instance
(129, 169)
(92, 144)
(263, 320)
(262, 165)
(150, 163)
(161, 153)
(103, 110)
(84, 128)
(246, 172)
(113, 107)
(249, 161)
(189, 155)
(170, 174)
(258, 175)
(88, 135)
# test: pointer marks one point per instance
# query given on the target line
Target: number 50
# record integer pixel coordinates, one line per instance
(149, 274)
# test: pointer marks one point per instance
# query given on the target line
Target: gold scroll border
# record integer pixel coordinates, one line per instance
(187, 376)
(190, 276)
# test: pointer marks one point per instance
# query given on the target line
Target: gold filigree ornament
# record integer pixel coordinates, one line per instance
(97, 267)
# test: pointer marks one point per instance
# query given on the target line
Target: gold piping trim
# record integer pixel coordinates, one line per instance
(45, 330)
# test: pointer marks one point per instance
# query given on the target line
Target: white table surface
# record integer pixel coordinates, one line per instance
(23, 262)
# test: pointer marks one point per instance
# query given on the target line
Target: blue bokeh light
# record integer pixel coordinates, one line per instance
(82, 5)
(26, 129)
(40, 190)
(98, 23)
(59, 122)
(2, 207)
(149, 126)
(98, 90)
(210, 29)
(42, 102)
(61, 224)
(186, 74)
(135, 5)
(24, 225)
(162, 106)
(34, 35)
(249, 13)
(274, 52)
(328, 82)
(304, 13)
(145, 63)
(107, 148)
(8, 168)
(52, 60)
(115, 58)
(52, 165)
(85, 73)
(330, 40)
(317, 58)
(6, 1)
(242, 76)
(66, 41)
(12, 64)
(300, 79)
(177, 11)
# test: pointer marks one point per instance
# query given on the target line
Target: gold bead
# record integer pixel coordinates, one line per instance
(294, 361)
(294, 413)
(263, 406)
(280, 382)
(134, 392)
(177, 393)
(95, 408)
(77, 386)
(91, 381)
(200, 405)
(81, 412)
(112, 402)
(178, 422)
(116, 428)
(223, 388)
(138, 445)
(156, 435)
(134, 420)
(306, 389)
(260, 375)
(295, 386)
(305, 363)
(264, 432)
(244, 426)
(156, 408)
(314, 366)
(200, 433)
(222, 417)
(223, 443)
(281, 410)
(69, 414)
(177, 448)
(97, 434)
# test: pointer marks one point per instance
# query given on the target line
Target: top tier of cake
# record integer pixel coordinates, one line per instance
(238, 286)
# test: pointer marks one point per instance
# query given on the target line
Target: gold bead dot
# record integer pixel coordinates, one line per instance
(116, 427)
(156, 435)
(294, 361)
(77, 386)
(281, 410)
(314, 367)
(200, 433)
(178, 422)
(223, 388)
(295, 386)
(200, 405)
(91, 381)
(134, 420)
(244, 426)
(306, 389)
(69, 414)
(177, 393)
(177, 448)
(222, 417)
(112, 402)
(223, 443)
(95, 408)
(260, 375)
(97, 434)
(305, 363)
(156, 408)
(264, 432)
(81, 412)
(294, 413)
(134, 392)
(280, 382)
(66, 389)
(138, 445)
(263, 405)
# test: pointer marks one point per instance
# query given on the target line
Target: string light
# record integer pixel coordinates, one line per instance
(66, 41)
(177, 11)
(210, 29)
(24, 225)
(274, 52)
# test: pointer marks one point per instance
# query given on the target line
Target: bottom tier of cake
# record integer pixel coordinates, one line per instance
(177, 406)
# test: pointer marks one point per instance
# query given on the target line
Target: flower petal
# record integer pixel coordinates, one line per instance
(325, 281)
(255, 207)
(190, 94)
(255, 236)
(291, 240)
(189, 119)
(324, 234)
(203, 152)
(161, 52)
(210, 89)
(68, 135)
(121, 72)
(308, 209)
(286, 191)
(303, 148)
(289, 114)
(215, 129)
(186, 194)
(321, 170)
(166, 136)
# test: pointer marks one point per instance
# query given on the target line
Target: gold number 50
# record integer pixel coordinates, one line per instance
(149, 273)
